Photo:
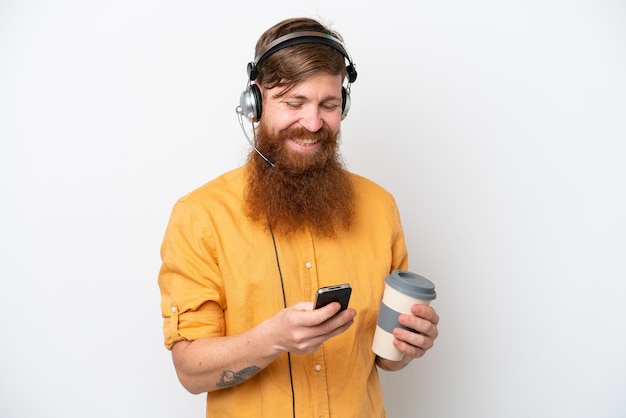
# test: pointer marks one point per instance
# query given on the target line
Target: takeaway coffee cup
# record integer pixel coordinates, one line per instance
(403, 289)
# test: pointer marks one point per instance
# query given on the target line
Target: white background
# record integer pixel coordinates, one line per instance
(498, 125)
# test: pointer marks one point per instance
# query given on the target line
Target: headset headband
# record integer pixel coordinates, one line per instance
(302, 37)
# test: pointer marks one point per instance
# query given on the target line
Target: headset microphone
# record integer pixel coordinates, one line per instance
(239, 111)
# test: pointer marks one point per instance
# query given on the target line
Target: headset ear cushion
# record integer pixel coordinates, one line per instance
(250, 103)
(351, 71)
(345, 102)
(256, 93)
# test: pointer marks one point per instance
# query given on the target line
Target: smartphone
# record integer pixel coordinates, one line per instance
(337, 293)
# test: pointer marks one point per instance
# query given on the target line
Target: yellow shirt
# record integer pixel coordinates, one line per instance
(219, 277)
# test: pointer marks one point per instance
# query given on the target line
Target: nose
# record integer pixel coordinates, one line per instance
(311, 119)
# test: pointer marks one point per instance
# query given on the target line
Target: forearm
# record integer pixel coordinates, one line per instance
(214, 363)
(210, 364)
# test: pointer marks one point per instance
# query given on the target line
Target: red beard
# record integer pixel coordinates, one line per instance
(304, 190)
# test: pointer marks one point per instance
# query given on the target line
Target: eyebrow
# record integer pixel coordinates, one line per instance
(328, 98)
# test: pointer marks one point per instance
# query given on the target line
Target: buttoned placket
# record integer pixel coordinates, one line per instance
(316, 361)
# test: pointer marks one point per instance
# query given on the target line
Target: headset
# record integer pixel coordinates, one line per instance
(250, 100)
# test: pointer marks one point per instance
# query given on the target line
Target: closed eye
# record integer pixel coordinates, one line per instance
(294, 105)
(330, 106)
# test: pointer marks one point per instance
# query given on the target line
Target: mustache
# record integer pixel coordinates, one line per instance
(324, 134)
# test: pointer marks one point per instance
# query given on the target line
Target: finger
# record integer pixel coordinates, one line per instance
(324, 313)
(303, 314)
(426, 312)
(408, 349)
(417, 339)
(338, 321)
(419, 325)
(309, 339)
(334, 326)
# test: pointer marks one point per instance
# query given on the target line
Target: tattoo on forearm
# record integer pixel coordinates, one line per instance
(230, 378)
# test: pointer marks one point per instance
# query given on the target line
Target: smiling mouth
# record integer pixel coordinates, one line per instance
(305, 142)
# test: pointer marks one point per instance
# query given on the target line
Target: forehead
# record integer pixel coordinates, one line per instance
(318, 86)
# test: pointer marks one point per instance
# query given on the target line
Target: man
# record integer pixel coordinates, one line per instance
(244, 254)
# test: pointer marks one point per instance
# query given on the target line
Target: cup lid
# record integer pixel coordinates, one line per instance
(411, 284)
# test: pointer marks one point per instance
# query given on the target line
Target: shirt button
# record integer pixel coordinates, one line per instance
(318, 367)
(173, 309)
(308, 264)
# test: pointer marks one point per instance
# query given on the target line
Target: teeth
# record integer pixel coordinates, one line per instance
(305, 142)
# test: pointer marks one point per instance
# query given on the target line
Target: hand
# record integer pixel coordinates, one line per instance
(415, 344)
(201, 364)
(300, 329)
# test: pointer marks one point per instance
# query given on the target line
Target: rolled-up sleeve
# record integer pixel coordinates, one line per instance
(192, 300)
